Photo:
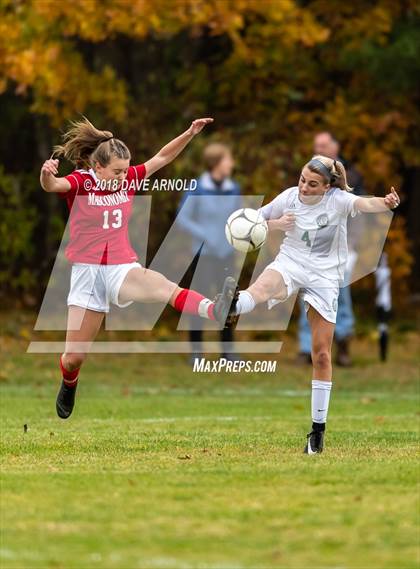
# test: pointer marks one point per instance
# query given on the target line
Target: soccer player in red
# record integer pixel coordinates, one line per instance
(105, 270)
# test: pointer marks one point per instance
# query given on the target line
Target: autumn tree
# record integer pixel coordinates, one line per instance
(271, 72)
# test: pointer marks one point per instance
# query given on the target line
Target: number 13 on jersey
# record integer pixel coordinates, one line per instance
(117, 219)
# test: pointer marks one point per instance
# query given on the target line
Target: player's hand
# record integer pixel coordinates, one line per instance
(49, 168)
(198, 125)
(287, 222)
(392, 200)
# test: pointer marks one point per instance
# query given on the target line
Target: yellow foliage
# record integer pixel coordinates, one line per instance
(279, 80)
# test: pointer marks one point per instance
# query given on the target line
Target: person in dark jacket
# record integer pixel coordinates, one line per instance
(203, 215)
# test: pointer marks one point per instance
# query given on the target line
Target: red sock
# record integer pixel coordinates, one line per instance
(69, 377)
(193, 302)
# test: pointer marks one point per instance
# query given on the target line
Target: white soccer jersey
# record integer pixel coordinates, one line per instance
(318, 240)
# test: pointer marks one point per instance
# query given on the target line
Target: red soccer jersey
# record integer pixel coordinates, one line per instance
(99, 218)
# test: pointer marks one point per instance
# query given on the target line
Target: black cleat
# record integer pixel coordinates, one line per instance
(225, 303)
(65, 400)
(315, 442)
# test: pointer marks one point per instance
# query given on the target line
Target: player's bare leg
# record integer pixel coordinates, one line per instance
(270, 284)
(82, 327)
(145, 285)
(322, 338)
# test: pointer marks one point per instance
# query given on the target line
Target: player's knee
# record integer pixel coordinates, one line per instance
(321, 357)
(74, 361)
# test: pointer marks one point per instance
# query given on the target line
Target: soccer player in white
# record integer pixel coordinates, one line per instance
(312, 259)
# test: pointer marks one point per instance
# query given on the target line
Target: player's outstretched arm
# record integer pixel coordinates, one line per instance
(171, 150)
(48, 179)
(378, 205)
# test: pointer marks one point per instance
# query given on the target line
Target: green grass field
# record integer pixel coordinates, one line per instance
(162, 468)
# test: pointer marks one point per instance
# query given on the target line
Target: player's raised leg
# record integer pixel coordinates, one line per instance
(270, 284)
(145, 285)
(82, 328)
(322, 338)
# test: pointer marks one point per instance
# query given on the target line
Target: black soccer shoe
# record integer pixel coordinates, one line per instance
(315, 443)
(65, 400)
(225, 303)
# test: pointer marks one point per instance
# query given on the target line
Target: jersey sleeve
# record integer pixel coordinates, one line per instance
(137, 172)
(276, 208)
(346, 203)
(76, 183)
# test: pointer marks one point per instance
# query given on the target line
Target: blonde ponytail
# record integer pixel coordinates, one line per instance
(83, 145)
(333, 171)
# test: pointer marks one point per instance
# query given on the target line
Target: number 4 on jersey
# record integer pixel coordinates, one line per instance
(305, 237)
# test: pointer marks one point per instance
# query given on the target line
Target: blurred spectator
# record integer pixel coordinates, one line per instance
(383, 304)
(327, 145)
(204, 219)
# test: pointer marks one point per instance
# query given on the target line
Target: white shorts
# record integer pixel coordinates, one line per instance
(316, 291)
(96, 286)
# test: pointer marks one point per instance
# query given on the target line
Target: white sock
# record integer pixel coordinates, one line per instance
(203, 308)
(245, 303)
(321, 391)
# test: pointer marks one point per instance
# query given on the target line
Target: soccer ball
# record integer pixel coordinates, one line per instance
(246, 230)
